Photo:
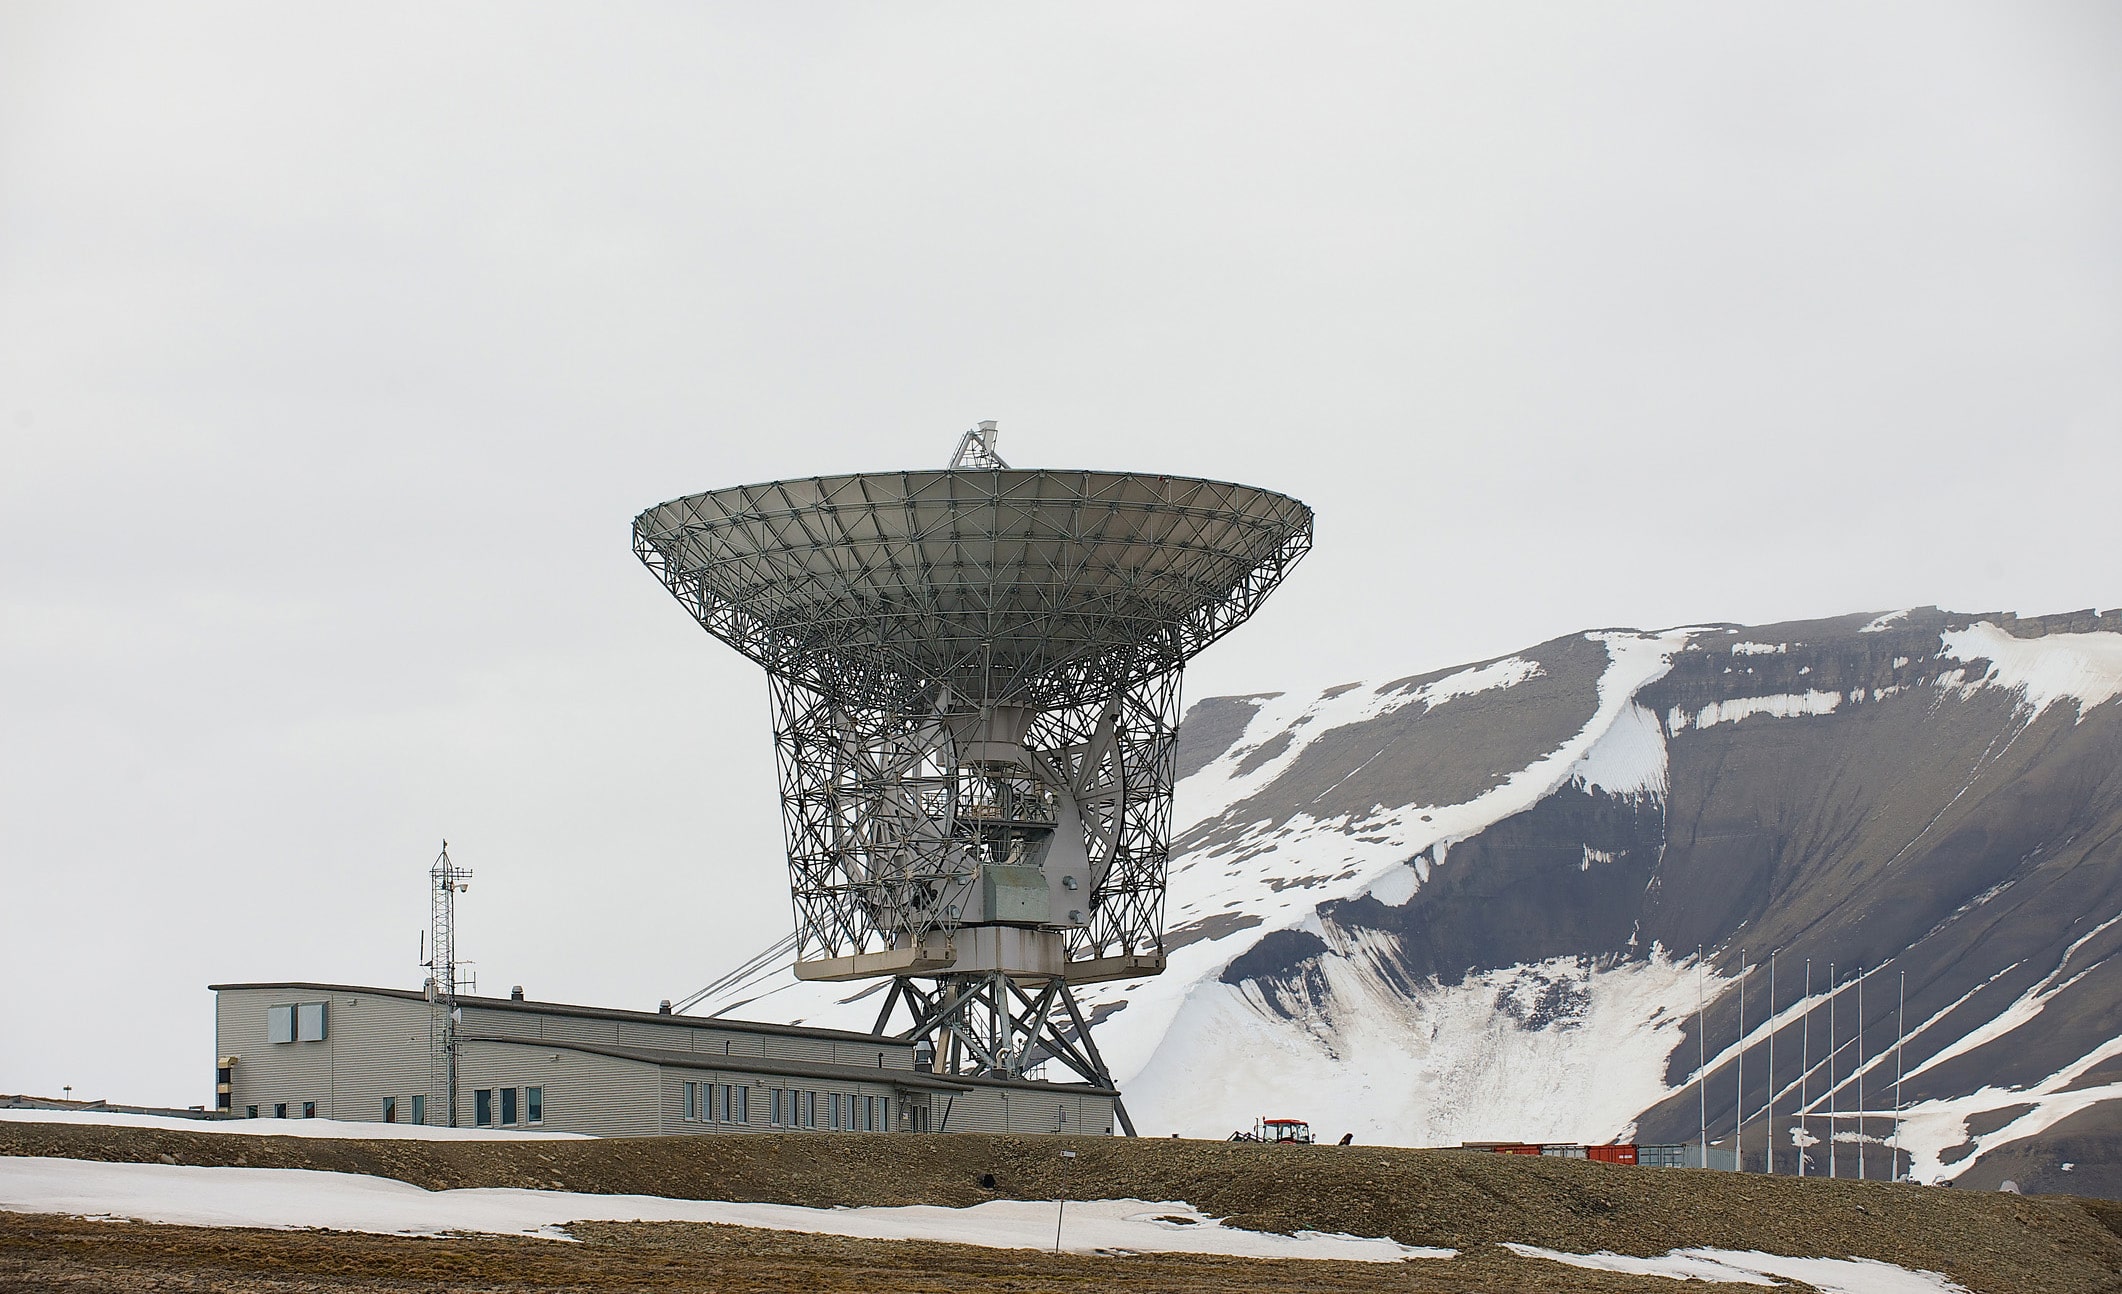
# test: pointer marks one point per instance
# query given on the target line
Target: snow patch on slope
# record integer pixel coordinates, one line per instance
(1562, 1050)
(1288, 724)
(1783, 706)
(1930, 1128)
(1629, 760)
(2083, 668)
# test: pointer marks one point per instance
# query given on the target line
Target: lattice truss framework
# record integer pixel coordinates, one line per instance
(887, 826)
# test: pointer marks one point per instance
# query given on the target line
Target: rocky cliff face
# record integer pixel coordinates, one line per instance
(1468, 905)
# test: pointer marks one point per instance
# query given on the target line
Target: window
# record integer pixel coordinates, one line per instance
(390, 1109)
(534, 1104)
(862, 1114)
(309, 1022)
(838, 1111)
(685, 1107)
(508, 1105)
(279, 1024)
(810, 1109)
(280, 1110)
(739, 1110)
(309, 1109)
(483, 1107)
(884, 1113)
(711, 1103)
(250, 1111)
(420, 1109)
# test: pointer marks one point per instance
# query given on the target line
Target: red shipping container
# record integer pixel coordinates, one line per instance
(1625, 1154)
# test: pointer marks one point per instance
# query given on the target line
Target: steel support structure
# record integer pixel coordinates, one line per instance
(445, 881)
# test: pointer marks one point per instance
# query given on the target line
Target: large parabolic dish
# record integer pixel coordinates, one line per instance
(975, 675)
(962, 588)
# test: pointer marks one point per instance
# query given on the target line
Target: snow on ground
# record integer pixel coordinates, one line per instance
(282, 1127)
(2082, 668)
(1565, 1050)
(287, 1198)
(1752, 1267)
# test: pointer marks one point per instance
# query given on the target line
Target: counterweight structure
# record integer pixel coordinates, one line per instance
(975, 683)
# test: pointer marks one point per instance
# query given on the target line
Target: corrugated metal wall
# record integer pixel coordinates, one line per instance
(601, 1095)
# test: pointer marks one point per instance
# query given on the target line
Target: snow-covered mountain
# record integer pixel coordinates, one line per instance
(1467, 905)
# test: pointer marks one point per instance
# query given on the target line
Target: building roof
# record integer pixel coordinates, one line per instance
(911, 1078)
(587, 1012)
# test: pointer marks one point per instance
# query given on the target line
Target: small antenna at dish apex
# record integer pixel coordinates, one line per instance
(976, 450)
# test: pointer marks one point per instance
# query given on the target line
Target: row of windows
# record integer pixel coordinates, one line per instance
(839, 1111)
(717, 1103)
(532, 1106)
(297, 1022)
(309, 1110)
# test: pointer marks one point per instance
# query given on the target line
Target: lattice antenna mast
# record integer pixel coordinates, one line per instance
(976, 451)
(445, 881)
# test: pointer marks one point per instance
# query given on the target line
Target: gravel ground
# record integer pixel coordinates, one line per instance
(1992, 1243)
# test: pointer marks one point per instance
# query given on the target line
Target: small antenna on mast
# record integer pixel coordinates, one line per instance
(976, 451)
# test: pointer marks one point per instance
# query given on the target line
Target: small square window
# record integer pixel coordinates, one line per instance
(309, 1109)
(250, 1111)
(279, 1024)
(483, 1107)
(534, 1104)
(280, 1110)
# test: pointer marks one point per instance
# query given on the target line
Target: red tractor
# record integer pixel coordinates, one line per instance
(1280, 1132)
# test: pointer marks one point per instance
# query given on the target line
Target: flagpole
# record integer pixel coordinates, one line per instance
(1738, 1132)
(1833, 985)
(1860, 1073)
(1768, 1161)
(1701, 1055)
(1900, 1035)
(1805, 1064)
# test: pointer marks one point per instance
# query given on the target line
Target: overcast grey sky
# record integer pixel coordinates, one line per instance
(339, 345)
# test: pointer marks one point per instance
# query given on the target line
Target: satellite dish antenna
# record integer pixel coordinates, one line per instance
(975, 681)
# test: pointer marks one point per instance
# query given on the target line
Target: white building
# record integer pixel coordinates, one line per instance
(299, 1050)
